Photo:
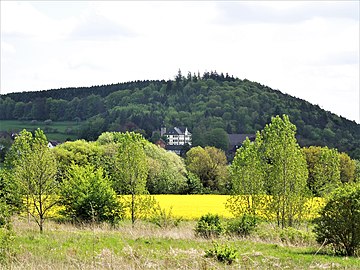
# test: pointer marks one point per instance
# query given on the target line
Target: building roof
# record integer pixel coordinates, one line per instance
(177, 131)
(160, 142)
(237, 139)
(54, 143)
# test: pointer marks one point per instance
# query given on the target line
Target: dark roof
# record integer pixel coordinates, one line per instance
(176, 131)
(54, 143)
(172, 131)
(238, 139)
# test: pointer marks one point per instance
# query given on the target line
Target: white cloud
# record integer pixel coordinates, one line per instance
(99, 28)
(286, 11)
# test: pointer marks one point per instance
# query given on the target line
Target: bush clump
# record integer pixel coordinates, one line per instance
(209, 226)
(295, 237)
(242, 226)
(222, 253)
(164, 218)
(6, 234)
(87, 196)
(339, 222)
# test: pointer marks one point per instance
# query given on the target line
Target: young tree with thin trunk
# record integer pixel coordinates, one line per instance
(286, 171)
(132, 170)
(35, 173)
(247, 178)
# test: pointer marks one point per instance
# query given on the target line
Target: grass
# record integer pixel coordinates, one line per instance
(64, 246)
(55, 131)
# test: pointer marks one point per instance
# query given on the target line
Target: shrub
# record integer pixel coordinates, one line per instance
(88, 196)
(194, 184)
(4, 213)
(144, 206)
(48, 122)
(222, 253)
(293, 236)
(339, 221)
(209, 226)
(6, 234)
(242, 226)
(163, 218)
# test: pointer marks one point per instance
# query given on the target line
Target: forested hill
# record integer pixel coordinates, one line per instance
(209, 105)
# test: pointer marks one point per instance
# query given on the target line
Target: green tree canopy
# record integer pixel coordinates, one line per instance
(347, 168)
(87, 195)
(286, 170)
(247, 179)
(167, 172)
(131, 167)
(324, 169)
(210, 165)
(35, 172)
(339, 221)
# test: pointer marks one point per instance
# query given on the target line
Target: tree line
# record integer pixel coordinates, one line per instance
(203, 103)
(100, 181)
(274, 164)
(86, 177)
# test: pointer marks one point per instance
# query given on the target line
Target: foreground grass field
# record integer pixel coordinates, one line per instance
(64, 246)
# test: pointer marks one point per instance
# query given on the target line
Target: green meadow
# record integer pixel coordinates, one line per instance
(58, 131)
(146, 246)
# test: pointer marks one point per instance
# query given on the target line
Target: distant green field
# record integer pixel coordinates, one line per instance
(59, 131)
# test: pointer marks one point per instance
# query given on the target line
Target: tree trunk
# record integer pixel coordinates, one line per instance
(41, 224)
(133, 209)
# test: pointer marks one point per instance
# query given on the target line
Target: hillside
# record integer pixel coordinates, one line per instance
(202, 103)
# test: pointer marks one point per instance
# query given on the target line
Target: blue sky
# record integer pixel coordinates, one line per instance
(307, 49)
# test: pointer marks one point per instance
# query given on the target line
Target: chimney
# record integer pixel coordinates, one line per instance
(162, 131)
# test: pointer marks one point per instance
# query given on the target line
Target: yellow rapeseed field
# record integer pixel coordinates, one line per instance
(194, 206)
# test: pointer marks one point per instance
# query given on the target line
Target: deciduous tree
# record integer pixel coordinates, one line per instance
(339, 221)
(286, 170)
(132, 168)
(247, 178)
(347, 168)
(87, 195)
(35, 171)
(167, 172)
(209, 164)
(324, 169)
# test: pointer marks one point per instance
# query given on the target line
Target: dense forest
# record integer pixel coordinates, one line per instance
(207, 104)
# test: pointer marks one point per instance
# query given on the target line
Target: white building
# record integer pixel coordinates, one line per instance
(177, 136)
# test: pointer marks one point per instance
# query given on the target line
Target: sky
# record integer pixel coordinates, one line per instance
(308, 49)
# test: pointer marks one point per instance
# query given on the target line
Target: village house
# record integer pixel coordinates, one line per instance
(177, 136)
(178, 139)
(52, 144)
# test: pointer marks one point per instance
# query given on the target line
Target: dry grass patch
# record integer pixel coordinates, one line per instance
(146, 246)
